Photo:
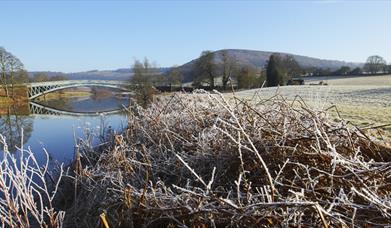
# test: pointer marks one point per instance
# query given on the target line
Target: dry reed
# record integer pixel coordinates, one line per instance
(203, 160)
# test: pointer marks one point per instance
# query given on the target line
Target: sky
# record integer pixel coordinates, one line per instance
(72, 36)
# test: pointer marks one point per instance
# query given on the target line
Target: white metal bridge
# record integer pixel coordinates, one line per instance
(37, 89)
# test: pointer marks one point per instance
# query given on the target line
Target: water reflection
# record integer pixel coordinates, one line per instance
(16, 129)
(57, 132)
(96, 100)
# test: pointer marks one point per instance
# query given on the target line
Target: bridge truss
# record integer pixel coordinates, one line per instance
(40, 88)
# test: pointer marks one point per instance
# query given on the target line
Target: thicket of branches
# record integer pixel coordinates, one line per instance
(194, 160)
(208, 160)
(27, 190)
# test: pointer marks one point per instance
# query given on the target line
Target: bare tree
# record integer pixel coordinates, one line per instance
(291, 66)
(4, 68)
(174, 77)
(143, 72)
(9, 65)
(229, 67)
(15, 65)
(375, 64)
(21, 76)
(247, 78)
(205, 69)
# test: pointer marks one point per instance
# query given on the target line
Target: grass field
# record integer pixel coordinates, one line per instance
(352, 80)
(364, 101)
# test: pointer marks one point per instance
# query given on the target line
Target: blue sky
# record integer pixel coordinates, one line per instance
(75, 36)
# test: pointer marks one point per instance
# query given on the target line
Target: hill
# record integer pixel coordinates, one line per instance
(252, 58)
(121, 74)
(258, 60)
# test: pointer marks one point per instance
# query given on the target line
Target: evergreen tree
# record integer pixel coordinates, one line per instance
(275, 73)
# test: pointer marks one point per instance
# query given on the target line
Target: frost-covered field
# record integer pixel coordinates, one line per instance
(360, 95)
(362, 103)
(352, 80)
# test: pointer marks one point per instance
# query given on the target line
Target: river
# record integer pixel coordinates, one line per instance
(57, 133)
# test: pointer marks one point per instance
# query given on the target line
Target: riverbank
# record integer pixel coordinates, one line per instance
(9, 100)
(16, 102)
(16, 95)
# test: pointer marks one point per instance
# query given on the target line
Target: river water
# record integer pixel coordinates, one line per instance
(57, 133)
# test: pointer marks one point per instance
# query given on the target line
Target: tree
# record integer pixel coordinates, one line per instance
(344, 70)
(15, 65)
(4, 67)
(174, 77)
(246, 78)
(229, 66)
(142, 81)
(9, 66)
(275, 72)
(375, 64)
(291, 66)
(205, 69)
(356, 71)
(21, 76)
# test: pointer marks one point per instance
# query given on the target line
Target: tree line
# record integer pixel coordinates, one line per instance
(222, 71)
(12, 73)
(279, 70)
(374, 65)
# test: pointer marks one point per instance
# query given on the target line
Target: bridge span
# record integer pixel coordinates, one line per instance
(37, 89)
